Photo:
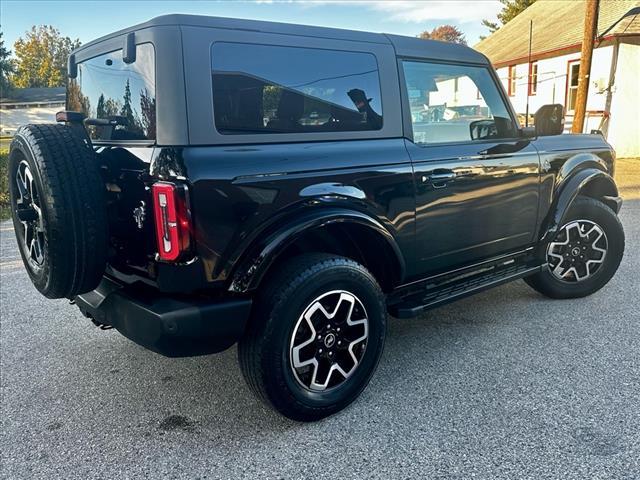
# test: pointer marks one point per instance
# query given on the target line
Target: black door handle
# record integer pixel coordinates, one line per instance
(440, 179)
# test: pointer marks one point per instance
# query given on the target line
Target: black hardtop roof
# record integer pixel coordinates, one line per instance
(404, 46)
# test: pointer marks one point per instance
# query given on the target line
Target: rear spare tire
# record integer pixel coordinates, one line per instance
(58, 208)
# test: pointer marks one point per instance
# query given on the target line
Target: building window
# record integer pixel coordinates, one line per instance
(533, 78)
(512, 80)
(572, 85)
(263, 89)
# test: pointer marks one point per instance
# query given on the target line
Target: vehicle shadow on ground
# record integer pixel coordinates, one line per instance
(209, 396)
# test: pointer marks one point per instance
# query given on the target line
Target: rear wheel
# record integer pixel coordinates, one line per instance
(58, 209)
(315, 336)
(585, 253)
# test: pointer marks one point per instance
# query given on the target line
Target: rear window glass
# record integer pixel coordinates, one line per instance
(122, 95)
(268, 89)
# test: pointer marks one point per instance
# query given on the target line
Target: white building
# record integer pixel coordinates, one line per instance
(550, 74)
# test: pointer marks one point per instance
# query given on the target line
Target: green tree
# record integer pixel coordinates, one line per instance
(111, 107)
(42, 57)
(126, 111)
(76, 102)
(133, 120)
(148, 109)
(100, 107)
(445, 33)
(6, 68)
(510, 10)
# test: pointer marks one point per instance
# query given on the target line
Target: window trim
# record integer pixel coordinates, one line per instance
(407, 124)
(269, 135)
(198, 101)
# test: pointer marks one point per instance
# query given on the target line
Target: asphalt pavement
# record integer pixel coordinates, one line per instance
(506, 384)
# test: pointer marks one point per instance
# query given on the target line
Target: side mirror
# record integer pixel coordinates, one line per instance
(481, 129)
(527, 132)
(549, 120)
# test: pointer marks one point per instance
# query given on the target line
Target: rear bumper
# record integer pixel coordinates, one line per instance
(169, 325)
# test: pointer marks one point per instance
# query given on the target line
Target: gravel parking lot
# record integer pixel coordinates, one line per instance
(506, 384)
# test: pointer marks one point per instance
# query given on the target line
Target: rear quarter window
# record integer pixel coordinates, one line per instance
(272, 89)
(106, 88)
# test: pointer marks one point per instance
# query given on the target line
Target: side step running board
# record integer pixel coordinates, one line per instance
(435, 295)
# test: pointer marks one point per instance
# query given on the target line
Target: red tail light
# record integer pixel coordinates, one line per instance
(173, 220)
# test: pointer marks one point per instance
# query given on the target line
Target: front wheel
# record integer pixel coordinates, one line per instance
(315, 337)
(585, 253)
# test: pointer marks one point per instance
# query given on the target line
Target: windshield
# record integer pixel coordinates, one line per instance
(123, 93)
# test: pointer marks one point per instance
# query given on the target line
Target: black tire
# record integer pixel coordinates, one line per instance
(70, 230)
(264, 351)
(585, 208)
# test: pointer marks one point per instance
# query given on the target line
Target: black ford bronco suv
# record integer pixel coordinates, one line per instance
(215, 181)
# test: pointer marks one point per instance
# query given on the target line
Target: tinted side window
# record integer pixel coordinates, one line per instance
(455, 103)
(123, 93)
(269, 89)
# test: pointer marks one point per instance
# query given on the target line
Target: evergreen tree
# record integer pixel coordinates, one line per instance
(6, 68)
(148, 109)
(510, 10)
(126, 111)
(100, 113)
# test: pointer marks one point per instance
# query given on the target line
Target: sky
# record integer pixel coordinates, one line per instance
(88, 20)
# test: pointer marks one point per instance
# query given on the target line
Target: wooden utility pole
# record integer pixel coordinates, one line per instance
(590, 32)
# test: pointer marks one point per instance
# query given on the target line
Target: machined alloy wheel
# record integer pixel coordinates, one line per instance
(578, 251)
(315, 335)
(329, 340)
(29, 213)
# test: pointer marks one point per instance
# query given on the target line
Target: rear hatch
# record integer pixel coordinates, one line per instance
(118, 99)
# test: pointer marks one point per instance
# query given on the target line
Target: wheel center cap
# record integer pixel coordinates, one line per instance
(329, 340)
(575, 251)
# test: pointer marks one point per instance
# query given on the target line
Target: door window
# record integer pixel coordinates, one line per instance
(271, 89)
(455, 103)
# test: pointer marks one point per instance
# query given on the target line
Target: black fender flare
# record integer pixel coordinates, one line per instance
(261, 255)
(590, 181)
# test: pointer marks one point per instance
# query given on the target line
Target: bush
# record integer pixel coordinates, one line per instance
(4, 184)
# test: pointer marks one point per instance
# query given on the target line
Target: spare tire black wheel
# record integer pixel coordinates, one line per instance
(58, 207)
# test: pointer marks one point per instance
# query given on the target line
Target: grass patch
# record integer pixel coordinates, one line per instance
(4, 143)
(4, 184)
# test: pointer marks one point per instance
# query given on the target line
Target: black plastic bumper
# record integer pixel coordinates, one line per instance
(171, 326)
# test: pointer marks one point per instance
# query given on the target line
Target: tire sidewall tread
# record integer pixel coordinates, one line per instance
(73, 200)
